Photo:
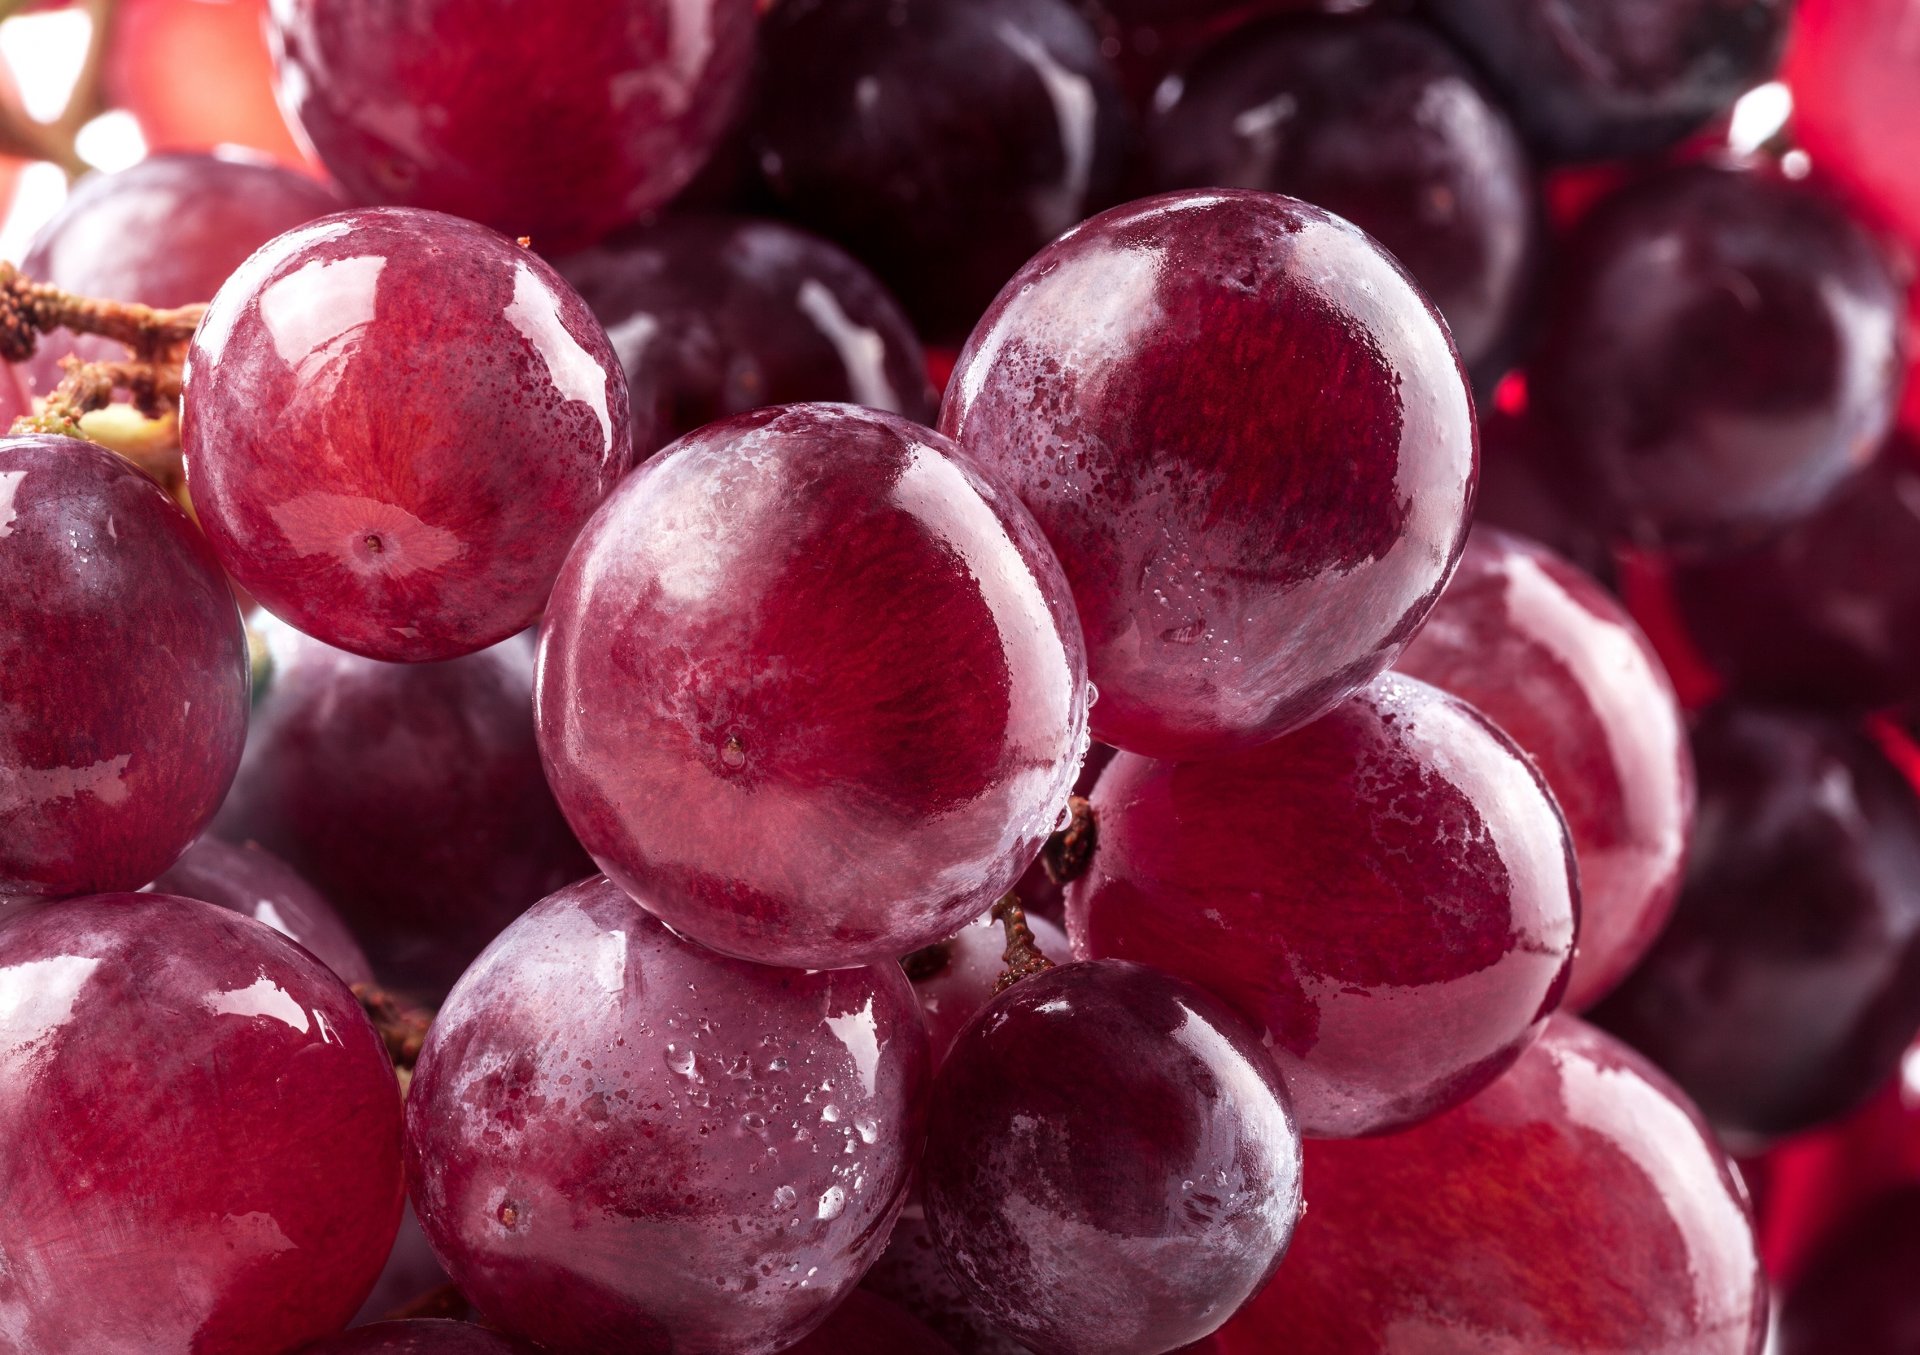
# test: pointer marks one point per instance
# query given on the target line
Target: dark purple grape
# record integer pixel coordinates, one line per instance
(868, 1325)
(1856, 1293)
(1519, 494)
(560, 120)
(167, 232)
(410, 793)
(1599, 81)
(1376, 121)
(957, 977)
(419, 1338)
(252, 881)
(1247, 435)
(1827, 612)
(394, 423)
(715, 315)
(1112, 1164)
(911, 1274)
(123, 673)
(942, 141)
(1721, 351)
(1787, 984)
(199, 1133)
(820, 627)
(412, 1272)
(618, 1140)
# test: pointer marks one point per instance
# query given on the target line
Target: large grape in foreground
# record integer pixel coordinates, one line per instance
(199, 1133)
(1247, 434)
(621, 1143)
(558, 119)
(394, 423)
(123, 673)
(1578, 1205)
(812, 688)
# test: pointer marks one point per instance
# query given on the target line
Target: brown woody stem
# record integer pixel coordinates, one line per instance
(90, 386)
(402, 1025)
(1069, 852)
(1022, 956)
(29, 309)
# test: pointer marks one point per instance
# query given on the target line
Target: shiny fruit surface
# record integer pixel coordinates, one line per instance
(255, 883)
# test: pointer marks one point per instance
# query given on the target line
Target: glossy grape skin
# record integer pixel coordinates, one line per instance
(1721, 352)
(971, 963)
(1826, 613)
(561, 122)
(1578, 1205)
(1112, 1165)
(1856, 106)
(820, 626)
(394, 423)
(714, 315)
(411, 1272)
(253, 882)
(1247, 435)
(123, 673)
(868, 1325)
(1548, 655)
(621, 1143)
(1377, 121)
(1857, 1292)
(1388, 895)
(911, 1275)
(167, 231)
(199, 1133)
(1788, 982)
(1600, 82)
(411, 794)
(941, 141)
(419, 1338)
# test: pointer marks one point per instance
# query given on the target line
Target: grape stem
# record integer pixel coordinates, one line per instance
(90, 386)
(1069, 852)
(1022, 955)
(402, 1026)
(29, 309)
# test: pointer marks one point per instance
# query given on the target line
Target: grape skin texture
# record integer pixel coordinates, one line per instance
(420, 1337)
(123, 673)
(620, 1143)
(1579, 1204)
(394, 422)
(1249, 438)
(199, 1133)
(966, 982)
(559, 120)
(1388, 895)
(1112, 1167)
(821, 627)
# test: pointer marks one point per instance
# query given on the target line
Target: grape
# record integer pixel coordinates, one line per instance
(1599, 81)
(820, 627)
(419, 1338)
(1518, 493)
(255, 883)
(1721, 352)
(1040, 897)
(123, 673)
(394, 423)
(618, 1140)
(411, 1272)
(1857, 1293)
(411, 793)
(561, 119)
(1577, 1205)
(942, 141)
(199, 1132)
(713, 316)
(956, 978)
(911, 1274)
(866, 1325)
(1782, 992)
(1378, 122)
(1111, 1162)
(1856, 105)
(167, 232)
(1548, 655)
(1828, 611)
(1247, 435)
(1387, 894)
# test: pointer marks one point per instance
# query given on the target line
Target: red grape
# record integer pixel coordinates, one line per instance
(1111, 1162)
(1856, 104)
(1388, 894)
(1783, 991)
(411, 793)
(167, 232)
(957, 977)
(1600, 81)
(714, 316)
(394, 423)
(1248, 436)
(1857, 1294)
(1518, 491)
(618, 1140)
(412, 1271)
(911, 1274)
(1577, 1205)
(820, 627)
(560, 120)
(199, 1133)
(123, 673)
(1723, 350)
(942, 141)
(1378, 122)
(419, 1338)
(868, 1325)
(255, 883)
(1548, 655)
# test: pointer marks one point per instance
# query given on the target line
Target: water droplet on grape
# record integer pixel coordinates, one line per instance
(785, 1197)
(869, 1130)
(680, 1061)
(832, 1202)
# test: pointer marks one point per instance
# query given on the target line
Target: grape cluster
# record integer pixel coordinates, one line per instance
(968, 677)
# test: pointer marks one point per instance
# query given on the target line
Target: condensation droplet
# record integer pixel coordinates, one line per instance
(833, 1202)
(830, 1113)
(784, 1198)
(680, 1061)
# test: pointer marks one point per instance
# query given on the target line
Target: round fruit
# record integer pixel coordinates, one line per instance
(255, 883)
(419, 1338)
(955, 978)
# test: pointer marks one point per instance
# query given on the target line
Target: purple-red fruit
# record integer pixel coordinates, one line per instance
(419, 1338)
(957, 977)
(255, 883)
(911, 1274)
(1856, 1293)
(868, 1325)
